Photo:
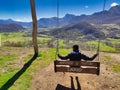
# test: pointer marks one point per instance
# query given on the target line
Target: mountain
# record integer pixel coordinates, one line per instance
(115, 10)
(111, 16)
(43, 22)
(10, 27)
(52, 22)
(104, 17)
(10, 21)
(47, 22)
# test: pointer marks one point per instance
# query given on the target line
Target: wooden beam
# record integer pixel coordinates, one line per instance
(77, 63)
(78, 70)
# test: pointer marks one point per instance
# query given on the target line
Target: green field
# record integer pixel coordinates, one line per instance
(24, 39)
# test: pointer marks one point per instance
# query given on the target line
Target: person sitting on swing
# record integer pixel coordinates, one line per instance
(75, 55)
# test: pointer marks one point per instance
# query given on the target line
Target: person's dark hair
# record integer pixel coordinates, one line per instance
(75, 48)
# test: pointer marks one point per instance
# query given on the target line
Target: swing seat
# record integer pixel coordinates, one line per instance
(88, 67)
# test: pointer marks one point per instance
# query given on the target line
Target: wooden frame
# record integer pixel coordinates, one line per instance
(77, 67)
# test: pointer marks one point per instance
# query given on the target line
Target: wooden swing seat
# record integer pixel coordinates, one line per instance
(88, 67)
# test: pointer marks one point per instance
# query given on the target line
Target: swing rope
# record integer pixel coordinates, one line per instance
(57, 44)
(104, 5)
(99, 38)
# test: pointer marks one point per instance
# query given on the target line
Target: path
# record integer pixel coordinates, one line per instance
(46, 79)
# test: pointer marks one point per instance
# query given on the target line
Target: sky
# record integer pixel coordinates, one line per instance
(20, 10)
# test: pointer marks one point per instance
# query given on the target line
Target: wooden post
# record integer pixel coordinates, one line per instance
(34, 33)
(55, 65)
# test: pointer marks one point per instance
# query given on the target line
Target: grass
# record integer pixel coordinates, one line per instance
(6, 68)
(103, 47)
(116, 68)
(24, 81)
(4, 77)
(4, 59)
(9, 57)
(45, 57)
(13, 35)
(18, 39)
(14, 38)
(107, 57)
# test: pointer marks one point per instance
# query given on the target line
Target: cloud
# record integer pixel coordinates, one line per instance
(114, 4)
(24, 19)
(18, 19)
(86, 6)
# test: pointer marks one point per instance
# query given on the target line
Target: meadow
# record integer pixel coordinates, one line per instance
(16, 50)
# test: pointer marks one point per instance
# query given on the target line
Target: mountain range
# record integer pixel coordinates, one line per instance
(10, 28)
(111, 16)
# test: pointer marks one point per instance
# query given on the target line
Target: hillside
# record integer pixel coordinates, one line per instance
(10, 27)
(74, 31)
(84, 30)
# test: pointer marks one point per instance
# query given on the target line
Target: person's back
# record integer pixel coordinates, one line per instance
(76, 55)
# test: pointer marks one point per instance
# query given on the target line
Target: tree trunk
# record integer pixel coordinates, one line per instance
(34, 33)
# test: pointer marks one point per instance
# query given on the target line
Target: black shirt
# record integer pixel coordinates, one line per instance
(77, 56)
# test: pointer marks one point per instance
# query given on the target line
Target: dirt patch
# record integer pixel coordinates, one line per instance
(46, 79)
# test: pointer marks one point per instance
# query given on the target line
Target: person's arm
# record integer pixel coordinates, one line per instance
(63, 57)
(89, 58)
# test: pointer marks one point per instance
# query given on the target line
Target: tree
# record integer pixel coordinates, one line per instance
(34, 33)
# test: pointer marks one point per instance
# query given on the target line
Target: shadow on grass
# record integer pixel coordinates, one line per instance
(61, 87)
(12, 80)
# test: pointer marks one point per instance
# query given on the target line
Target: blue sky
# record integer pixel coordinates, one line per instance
(20, 9)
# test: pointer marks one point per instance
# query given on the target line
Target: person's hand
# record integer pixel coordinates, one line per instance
(97, 54)
(58, 55)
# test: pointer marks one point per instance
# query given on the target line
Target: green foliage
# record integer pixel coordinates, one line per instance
(15, 39)
(113, 42)
(61, 43)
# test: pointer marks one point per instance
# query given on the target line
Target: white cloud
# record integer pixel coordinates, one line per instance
(86, 6)
(114, 4)
(18, 19)
(24, 19)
